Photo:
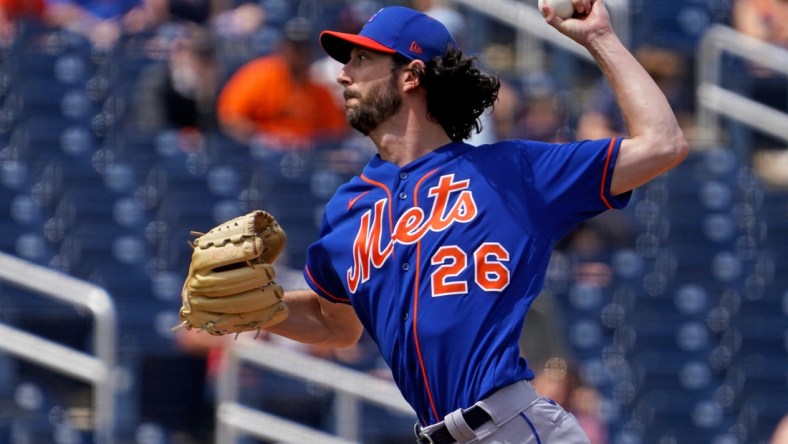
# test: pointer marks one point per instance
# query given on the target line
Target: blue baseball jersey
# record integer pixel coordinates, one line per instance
(442, 258)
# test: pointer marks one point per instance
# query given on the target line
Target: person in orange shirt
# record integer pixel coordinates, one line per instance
(274, 98)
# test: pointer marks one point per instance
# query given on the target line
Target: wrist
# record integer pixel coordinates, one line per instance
(602, 41)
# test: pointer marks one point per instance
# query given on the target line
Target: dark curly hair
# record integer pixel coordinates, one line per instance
(457, 92)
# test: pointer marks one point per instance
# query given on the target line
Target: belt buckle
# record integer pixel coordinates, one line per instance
(424, 438)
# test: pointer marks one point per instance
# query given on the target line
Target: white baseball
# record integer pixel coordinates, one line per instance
(562, 8)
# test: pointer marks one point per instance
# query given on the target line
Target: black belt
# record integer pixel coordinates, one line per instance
(474, 417)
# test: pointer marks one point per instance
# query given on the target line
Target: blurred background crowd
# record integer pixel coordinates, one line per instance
(124, 124)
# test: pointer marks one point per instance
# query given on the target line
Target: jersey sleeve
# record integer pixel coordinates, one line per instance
(572, 181)
(319, 273)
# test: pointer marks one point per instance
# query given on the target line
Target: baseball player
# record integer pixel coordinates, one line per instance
(438, 248)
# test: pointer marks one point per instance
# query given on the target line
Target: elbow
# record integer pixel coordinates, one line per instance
(678, 150)
(344, 344)
(647, 157)
(671, 149)
(339, 340)
(341, 333)
(347, 338)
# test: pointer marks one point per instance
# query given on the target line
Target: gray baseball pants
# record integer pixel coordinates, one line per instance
(518, 416)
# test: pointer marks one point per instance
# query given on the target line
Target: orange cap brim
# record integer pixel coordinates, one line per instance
(339, 44)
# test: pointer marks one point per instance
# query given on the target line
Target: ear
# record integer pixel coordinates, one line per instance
(411, 75)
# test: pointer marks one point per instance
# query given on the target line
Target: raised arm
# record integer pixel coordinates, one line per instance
(314, 320)
(656, 142)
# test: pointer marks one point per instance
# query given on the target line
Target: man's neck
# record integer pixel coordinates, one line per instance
(403, 139)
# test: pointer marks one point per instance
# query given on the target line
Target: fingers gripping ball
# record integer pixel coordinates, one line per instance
(562, 8)
(230, 287)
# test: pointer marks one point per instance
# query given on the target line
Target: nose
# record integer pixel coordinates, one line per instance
(342, 78)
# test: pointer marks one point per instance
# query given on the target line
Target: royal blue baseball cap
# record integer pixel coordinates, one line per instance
(395, 29)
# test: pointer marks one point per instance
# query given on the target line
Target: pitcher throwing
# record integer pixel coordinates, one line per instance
(438, 248)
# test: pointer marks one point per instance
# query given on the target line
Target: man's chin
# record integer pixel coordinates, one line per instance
(359, 126)
(364, 131)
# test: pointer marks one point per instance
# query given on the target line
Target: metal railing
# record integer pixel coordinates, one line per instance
(351, 388)
(97, 370)
(715, 101)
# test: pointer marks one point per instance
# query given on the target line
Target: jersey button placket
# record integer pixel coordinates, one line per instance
(403, 195)
(403, 176)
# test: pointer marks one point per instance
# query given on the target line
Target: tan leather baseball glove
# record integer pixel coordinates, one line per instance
(230, 287)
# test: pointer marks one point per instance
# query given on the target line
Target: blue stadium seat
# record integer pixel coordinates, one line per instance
(120, 177)
(174, 176)
(92, 245)
(225, 180)
(763, 411)
(137, 148)
(9, 233)
(673, 368)
(44, 137)
(188, 208)
(33, 247)
(381, 426)
(79, 206)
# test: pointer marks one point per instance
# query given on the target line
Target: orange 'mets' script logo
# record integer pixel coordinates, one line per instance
(410, 228)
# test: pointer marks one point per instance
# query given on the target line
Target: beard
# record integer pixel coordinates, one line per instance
(378, 105)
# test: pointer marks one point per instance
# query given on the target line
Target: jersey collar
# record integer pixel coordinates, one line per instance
(384, 171)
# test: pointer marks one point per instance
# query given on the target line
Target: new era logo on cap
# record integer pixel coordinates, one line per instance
(395, 29)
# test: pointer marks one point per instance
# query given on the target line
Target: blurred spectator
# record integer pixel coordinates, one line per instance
(542, 115)
(763, 19)
(104, 22)
(506, 111)
(560, 381)
(544, 344)
(602, 118)
(274, 101)
(442, 11)
(589, 246)
(499, 123)
(244, 32)
(780, 435)
(325, 69)
(227, 17)
(241, 19)
(194, 11)
(766, 20)
(11, 11)
(180, 93)
(543, 337)
(542, 120)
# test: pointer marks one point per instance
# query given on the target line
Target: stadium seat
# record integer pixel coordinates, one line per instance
(78, 206)
(92, 245)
